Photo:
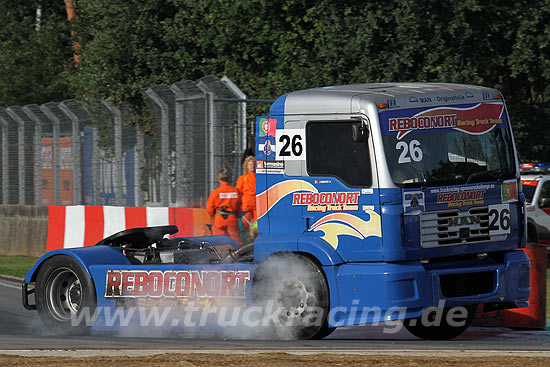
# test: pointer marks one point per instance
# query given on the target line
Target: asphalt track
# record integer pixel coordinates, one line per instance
(21, 330)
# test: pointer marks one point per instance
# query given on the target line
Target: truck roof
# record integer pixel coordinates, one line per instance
(351, 98)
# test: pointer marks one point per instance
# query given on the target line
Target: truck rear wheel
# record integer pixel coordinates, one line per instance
(427, 328)
(63, 292)
(296, 290)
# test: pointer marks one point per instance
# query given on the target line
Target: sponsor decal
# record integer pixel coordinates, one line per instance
(456, 197)
(413, 201)
(176, 283)
(268, 126)
(267, 148)
(509, 191)
(304, 193)
(478, 119)
(327, 201)
(343, 224)
(270, 167)
(423, 122)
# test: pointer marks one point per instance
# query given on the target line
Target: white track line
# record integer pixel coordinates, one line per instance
(10, 285)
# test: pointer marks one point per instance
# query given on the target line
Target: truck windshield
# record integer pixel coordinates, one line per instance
(449, 156)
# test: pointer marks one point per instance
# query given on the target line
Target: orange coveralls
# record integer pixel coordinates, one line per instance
(225, 196)
(246, 184)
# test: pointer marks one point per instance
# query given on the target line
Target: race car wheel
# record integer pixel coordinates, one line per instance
(297, 289)
(438, 330)
(63, 292)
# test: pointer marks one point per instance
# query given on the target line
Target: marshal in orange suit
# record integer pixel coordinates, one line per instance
(223, 206)
(246, 184)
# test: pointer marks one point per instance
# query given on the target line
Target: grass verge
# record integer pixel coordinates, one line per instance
(16, 266)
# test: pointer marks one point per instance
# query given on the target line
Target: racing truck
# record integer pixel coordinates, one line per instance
(370, 198)
(535, 179)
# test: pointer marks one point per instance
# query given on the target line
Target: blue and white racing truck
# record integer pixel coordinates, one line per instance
(369, 197)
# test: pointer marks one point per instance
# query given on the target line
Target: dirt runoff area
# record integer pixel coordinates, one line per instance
(272, 359)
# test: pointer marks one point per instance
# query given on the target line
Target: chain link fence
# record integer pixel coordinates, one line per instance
(71, 153)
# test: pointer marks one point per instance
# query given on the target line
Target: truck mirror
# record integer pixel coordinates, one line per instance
(544, 203)
(359, 132)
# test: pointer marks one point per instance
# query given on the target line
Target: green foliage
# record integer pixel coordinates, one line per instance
(33, 54)
(272, 47)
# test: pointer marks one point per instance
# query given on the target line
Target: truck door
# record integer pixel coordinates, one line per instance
(343, 206)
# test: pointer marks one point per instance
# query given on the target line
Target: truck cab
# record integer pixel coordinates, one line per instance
(403, 194)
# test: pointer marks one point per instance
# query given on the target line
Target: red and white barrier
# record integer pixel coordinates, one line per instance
(78, 226)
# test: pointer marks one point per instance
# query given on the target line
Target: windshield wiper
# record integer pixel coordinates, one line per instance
(498, 172)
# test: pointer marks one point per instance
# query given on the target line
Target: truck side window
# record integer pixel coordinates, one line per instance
(331, 151)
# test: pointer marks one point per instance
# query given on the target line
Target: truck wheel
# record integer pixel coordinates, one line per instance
(295, 289)
(63, 292)
(443, 331)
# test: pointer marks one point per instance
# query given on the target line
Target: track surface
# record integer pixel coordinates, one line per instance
(20, 329)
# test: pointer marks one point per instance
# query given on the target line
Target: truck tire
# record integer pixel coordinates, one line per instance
(63, 292)
(296, 288)
(443, 331)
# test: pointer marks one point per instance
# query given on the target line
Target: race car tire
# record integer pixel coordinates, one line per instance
(443, 331)
(63, 292)
(297, 289)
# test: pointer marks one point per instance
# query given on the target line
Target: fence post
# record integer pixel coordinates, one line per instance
(181, 182)
(56, 151)
(77, 170)
(37, 153)
(118, 164)
(20, 154)
(5, 156)
(241, 114)
(138, 164)
(164, 144)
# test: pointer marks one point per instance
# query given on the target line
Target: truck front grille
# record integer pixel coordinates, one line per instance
(455, 227)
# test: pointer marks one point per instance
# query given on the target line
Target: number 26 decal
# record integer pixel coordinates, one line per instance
(499, 219)
(409, 151)
(290, 144)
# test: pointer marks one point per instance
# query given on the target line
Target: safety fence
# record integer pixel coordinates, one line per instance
(73, 153)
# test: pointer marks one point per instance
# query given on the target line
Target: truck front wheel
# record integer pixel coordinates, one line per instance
(432, 326)
(294, 289)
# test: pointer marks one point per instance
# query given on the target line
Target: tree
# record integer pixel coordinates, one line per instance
(35, 51)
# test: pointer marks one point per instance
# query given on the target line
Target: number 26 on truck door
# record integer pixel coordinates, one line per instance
(290, 144)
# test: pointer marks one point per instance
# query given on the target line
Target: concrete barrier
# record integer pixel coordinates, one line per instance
(23, 229)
